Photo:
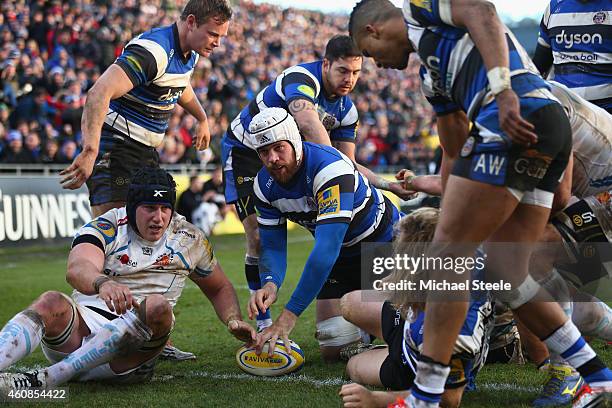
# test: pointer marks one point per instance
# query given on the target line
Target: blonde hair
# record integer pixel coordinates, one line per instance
(413, 235)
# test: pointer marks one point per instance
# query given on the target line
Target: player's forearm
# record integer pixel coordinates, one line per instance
(94, 113)
(273, 259)
(485, 28)
(430, 184)
(226, 304)
(374, 179)
(189, 101)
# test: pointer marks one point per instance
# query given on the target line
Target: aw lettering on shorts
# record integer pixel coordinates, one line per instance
(489, 167)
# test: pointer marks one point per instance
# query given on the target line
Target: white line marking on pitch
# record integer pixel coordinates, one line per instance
(301, 378)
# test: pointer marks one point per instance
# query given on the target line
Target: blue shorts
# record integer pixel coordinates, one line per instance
(488, 155)
(240, 166)
(118, 157)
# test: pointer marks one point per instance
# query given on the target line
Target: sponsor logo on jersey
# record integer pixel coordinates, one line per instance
(306, 90)
(125, 260)
(164, 260)
(171, 95)
(569, 40)
(148, 251)
(599, 17)
(241, 179)
(329, 200)
(186, 233)
(424, 4)
(107, 229)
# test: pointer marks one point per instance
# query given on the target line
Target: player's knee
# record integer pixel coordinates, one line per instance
(158, 313)
(348, 304)
(521, 294)
(335, 333)
(54, 310)
(51, 303)
(353, 369)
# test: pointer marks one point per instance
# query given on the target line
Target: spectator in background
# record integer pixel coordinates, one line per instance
(50, 154)
(16, 154)
(190, 199)
(33, 147)
(68, 152)
(61, 48)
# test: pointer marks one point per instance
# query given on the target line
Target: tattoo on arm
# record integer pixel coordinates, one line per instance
(299, 105)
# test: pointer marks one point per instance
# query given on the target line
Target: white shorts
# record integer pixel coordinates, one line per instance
(95, 320)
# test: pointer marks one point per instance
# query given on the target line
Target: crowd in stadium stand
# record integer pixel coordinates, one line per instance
(52, 52)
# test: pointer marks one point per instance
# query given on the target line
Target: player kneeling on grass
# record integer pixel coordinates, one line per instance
(401, 327)
(128, 268)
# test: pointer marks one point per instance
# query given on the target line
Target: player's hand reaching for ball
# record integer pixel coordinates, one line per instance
(117, 297)
(279, 330)
(242, 331)
(262, 299)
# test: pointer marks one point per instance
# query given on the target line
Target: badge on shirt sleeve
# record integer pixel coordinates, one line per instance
(329, 200)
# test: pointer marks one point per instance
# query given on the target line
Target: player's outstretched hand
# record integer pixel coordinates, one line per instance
(262, 299)
(202, 136)
(280, 329)
(518, 129)
(242, 331)
(117, 297)
(79, 171)
(356, 396)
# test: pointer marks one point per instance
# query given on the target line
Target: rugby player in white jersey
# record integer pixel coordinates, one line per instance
(128, 268)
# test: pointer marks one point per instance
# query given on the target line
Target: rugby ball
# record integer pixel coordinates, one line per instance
(280, 363)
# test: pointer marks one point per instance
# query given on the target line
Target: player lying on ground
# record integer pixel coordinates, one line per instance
(399, 325)
(321, 189)
(128, 268)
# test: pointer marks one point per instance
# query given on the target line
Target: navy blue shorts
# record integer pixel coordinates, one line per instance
(117, 158)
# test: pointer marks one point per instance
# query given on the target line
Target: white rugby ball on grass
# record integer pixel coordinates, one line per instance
(280, 363)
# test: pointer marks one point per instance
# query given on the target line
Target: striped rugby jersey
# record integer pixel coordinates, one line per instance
(327, 188)
(453, 73)
(304, 81)
(160, 73)
(578, 35)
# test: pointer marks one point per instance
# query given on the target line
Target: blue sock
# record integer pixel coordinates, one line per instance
(251, 270)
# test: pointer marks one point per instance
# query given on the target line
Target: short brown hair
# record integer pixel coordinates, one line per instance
(203, 10)
(341, 46)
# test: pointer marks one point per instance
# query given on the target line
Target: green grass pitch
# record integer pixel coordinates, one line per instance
(214, 379)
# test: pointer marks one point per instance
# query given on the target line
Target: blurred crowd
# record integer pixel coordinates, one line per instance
(52, 52)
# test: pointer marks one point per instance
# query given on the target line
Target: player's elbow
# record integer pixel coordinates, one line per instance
(474, 12)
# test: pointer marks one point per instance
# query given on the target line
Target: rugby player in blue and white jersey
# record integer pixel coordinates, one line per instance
(320, 188)
(399, 322)
(317, 95)
(576, 41)
(474, 70)
(127, 110)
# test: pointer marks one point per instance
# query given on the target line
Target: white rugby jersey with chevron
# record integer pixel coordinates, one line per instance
(160, 73)
(150, 267)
